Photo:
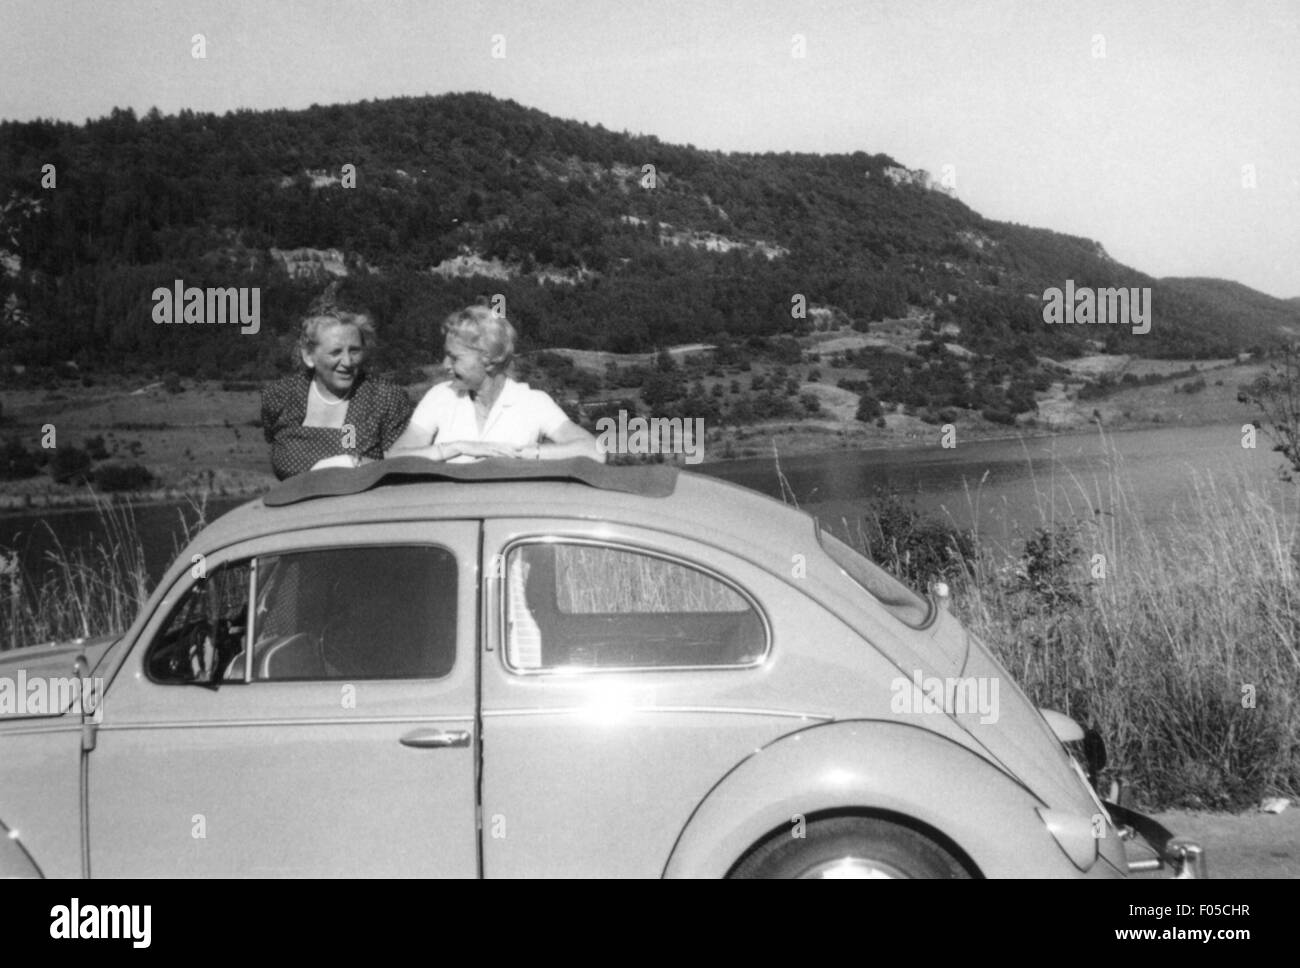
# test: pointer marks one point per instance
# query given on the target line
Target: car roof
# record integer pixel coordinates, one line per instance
(659, 497)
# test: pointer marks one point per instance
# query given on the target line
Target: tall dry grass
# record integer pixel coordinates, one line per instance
(1179, 641)
(94, 589)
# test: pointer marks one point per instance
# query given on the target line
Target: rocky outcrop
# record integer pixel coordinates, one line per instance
(311, 263)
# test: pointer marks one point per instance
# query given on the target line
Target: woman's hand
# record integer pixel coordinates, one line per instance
(480, 448)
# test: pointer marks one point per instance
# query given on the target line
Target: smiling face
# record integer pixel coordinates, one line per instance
(468, 368)
(336, 358)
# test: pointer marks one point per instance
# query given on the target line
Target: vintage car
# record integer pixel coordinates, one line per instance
(541, 669)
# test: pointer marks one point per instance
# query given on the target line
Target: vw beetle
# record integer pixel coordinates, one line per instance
(510, 669)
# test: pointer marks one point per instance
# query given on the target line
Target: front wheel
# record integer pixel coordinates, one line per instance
(844, 847)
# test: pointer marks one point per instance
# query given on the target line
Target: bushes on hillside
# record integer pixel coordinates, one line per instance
(17, 462)
(122, 477)
(71, 465)
(868, 408)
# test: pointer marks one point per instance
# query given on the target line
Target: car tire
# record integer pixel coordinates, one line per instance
(850, 847)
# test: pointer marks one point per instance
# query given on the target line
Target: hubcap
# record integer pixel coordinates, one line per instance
(852, 867)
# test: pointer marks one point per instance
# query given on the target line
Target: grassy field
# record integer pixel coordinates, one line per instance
(200, 440)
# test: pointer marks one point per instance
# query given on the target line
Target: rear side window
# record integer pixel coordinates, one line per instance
(380, 612)
(592, 606)
(903, 603)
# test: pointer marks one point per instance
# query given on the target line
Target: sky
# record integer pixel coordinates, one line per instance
(1168, 130)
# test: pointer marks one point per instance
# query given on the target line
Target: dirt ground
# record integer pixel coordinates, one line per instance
(1248, 845)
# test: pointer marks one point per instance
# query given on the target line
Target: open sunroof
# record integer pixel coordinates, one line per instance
(654, 480)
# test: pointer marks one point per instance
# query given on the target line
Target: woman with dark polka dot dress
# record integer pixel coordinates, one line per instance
(329, 414)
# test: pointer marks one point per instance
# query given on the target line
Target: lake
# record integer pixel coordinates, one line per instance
(1002, 486)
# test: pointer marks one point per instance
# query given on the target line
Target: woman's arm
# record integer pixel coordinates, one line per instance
(569, 440)
(453, 448)
(417, 439)
(413, 438)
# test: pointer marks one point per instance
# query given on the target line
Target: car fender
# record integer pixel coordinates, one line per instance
(15, 862)
(871, 767)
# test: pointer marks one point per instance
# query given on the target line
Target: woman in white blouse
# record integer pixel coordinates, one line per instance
(481, 411)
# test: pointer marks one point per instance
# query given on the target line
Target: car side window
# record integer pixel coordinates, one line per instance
(356, 613)
(587, 605)
(205, 630)
(380, 612)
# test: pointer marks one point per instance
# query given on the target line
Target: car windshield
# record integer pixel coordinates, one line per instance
(903, 603)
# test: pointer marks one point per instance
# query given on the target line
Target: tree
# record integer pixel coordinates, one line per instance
(868, 408)
(1277, 394)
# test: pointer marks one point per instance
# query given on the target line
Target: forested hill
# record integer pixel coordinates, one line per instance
(597, 239)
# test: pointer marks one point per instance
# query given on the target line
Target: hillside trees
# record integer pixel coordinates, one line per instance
(142, 201)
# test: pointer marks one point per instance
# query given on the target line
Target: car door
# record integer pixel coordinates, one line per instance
(626, 672)
(332, 735)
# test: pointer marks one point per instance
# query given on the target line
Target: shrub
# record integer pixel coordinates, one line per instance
(95, 448)
(1149, 634)
(868, 408)
(17, 462)
(71, 465)
(122, 477)
(915, 548)
(996, 416)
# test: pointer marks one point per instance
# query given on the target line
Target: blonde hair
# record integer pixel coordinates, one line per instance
(309, 333)
(486, 331)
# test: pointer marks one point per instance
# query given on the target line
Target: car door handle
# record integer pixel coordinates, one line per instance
(436, 739)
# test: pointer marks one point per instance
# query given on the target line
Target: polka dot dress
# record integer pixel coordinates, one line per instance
(376, 416)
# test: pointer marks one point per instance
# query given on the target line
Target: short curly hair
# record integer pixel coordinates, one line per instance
(312, 325)
(485, 330)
